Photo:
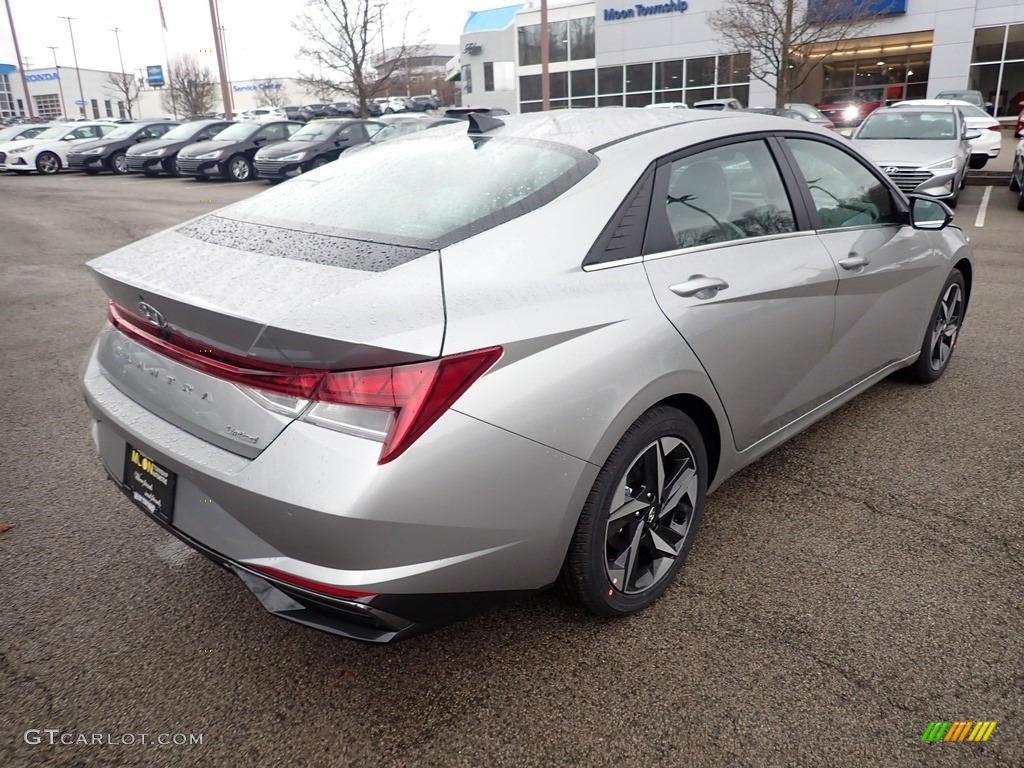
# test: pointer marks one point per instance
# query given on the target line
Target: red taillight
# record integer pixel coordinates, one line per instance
(309, 584)
(409, 397)
(417, 394)
(996, 128)
(293, 382)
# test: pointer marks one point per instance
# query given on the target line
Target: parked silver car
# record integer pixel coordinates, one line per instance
(923, 149)
(464, 365)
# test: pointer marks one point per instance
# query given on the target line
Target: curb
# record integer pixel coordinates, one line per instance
(988, 178)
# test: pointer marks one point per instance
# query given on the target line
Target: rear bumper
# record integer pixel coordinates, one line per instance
(470, 515)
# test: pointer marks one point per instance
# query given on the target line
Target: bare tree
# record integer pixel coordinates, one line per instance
(271, 92)
(780, 33)
(345, 40)
(125, 88)
(193, 86)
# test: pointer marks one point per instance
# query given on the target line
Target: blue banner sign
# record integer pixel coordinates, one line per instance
(829, 9)
(155, 75)
(641, 10)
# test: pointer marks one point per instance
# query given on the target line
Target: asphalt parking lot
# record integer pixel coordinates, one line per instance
(857, 583)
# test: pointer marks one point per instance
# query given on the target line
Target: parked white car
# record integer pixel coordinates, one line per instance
(391, 104)
(16, 132)
(262, 114)
(722, 105)
(667, 105)
(47, 152)
(985, 146)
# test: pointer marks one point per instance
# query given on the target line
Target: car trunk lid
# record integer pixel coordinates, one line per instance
(265, 297)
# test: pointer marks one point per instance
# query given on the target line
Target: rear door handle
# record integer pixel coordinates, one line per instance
(854, 262)
(700, 286)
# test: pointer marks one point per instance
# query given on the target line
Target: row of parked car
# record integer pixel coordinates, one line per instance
(203, 149)
(385, 105)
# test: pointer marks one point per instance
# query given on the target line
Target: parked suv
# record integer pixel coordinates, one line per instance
(425, 102)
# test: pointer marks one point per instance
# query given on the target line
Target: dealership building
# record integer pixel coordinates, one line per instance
(619, 53)
(54, 92)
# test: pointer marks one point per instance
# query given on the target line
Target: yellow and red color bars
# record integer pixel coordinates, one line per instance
(958, 730)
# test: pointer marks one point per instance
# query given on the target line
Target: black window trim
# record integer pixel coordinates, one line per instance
(900, 203)
(657, 238)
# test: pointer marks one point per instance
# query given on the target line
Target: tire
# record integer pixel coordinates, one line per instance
(977, 162)
(955, 199)
(1014, 184)
(118, 163)
(389, 111)
(48, 163)
(318, 163)
(238, 168)
(1020, 198)
(943, 330)
(618, 564)
(170, 166)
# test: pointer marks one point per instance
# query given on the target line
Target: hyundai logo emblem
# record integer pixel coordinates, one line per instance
(152, 315)
(891, 169)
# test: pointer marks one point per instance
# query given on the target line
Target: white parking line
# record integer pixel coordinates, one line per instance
(979, 221)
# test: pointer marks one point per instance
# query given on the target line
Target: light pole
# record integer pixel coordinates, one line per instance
(224, 45)
(17, 53)
(545, 59)
(117, 37)
(78, 72)
(225, 86)
(60, 81)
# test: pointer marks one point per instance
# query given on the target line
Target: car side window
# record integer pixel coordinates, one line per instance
(845, 192)
(87, 132)
(352, 132)
(271, 133)
(209, 132)
(727, 193)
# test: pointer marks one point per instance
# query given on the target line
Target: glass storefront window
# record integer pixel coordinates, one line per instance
(668, 74)
(638, 99)
(581, 38)
(739, 92)
(638, 77)
(558, 41)
(700, 72)
(734, 68)
(694, 95)
(609, 80)
(1012, 88)
(581, 103)
(529, 87)
(671, 97)
(984, 78)
(1015, 42)
(559, 85)
(609, 101)
(529, 44)
(582, 82)
(988, 44)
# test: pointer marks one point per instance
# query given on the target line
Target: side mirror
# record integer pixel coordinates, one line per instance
(971, 135)
(846, 133)
(926, 213)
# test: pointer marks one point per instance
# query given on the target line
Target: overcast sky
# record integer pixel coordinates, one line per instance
(260, 40)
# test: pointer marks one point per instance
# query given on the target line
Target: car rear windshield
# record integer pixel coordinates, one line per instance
(807, 111)
(122, 131)
(427, 191)
(238, 132)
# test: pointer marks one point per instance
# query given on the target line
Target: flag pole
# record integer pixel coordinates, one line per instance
(167, 59)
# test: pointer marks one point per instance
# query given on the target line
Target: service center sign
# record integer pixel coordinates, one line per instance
(641, 10)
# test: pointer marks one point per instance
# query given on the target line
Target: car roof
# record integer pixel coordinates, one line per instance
(593, 129)
(918, 108)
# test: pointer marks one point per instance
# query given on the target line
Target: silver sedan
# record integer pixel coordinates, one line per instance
(519, 350)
